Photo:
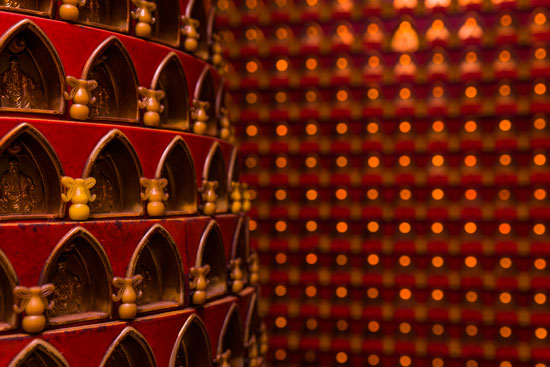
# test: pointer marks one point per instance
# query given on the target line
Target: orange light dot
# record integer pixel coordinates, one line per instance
(373, 94)
(404, 227)
(541, 333)
(405, 294)
(405, 194)
(404, 59)
(281, 130)
(342, 161)
(504, 228)
(341, 128)
(540, 89)
(405, 127)
(470, 227)
(373, 326)
(438, 160)
(311, 194)
(251, 98)
(342, 95)
(438, 92)
(438, 329)
(281, 97)
(373, 259)
(341, 194)
(471, 330)
(405, 327)
(311, 63)
(280, 290)
(280, 354)
(281, 34)
(341, 357)
(438, 58)
(341, 260)
(437, 227)
(372, 293)
(504, 90)
(539, 159)
(438, 194)
(539, 123)
(373, 162)
(505, 20)
(372, 127)
(470, 261)
(470, 160)
(311, 291)
(504, 56)
(404, 161)
(342, 63)
(252, 66)
(252, 225)
(505, 297)
(311, 324)
(540, 19)
(251, 130)
(470, 194)
(374, 61)
(341, 292)
(540, 264)
(539, 229)
(437, 262)
(470, 92)
(540, 298)
(280, 226)
(404, 260)
(405, 361)
(311, 226)
(437, 294)
(311, 96)
(311, 129)
(280, 322)
(438, 126)
(311, 162)
(281, 65)
(405, 93)
(372, 194)
(311, 259)
(540, 194)
(342, 227)
(373, 227)
(505, 263)
(471, 296)
(471, 57)
(470, 126)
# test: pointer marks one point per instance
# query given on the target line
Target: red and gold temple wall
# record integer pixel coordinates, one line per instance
(398, 152)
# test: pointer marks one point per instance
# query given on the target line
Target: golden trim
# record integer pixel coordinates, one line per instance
(137, 336)
(110, 27)
(178, 140)
(104, 46)
(193, 319)
(145, 241)
(222, 200)
(34, 133)
(228, 318)
(39, 345)
(100, 251)
(7, 268)
(103, 142)
(249, 315)
(154, 85)
(213, 229)
(34, 28)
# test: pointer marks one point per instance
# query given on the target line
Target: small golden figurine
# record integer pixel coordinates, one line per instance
(199, 283)
(154, 192)
(199, 115)
(34, 303)
(81, 97)
(189, 30)
(209, 196)
(236, 275)
(69, 9)
(253, 268)
(128, 295)
(226, 130)
(253, 352)
(79, 195)
(151, 103)
(247, 198)
(216, 50)
(144, 16)
(224, 359)
(405, 38)
(236, 197)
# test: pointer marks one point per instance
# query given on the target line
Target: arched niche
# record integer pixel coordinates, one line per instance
(80, 270)
(215, 170)
(129, 349)
(231, 338)
(8, 281)
(167, 26)
(170, 77)
(114, 15)
(32, 78)
(206, 92)
(116, 96)
(39, 353)
(115, 166)
(37, 7)
(253, 321)
(192, 347)
(240, 247)
(195, 10)
(177, 166)
(224, 103)
(211, 252)
(158, 261)
(30, 172)
(234, 171)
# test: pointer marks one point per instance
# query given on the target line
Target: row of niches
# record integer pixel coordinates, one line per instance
(33, 185)
(108, 88)
(406, 35)
(340, 69)
(239, 342)
(324, 9)
(161, 21)
(77, 283)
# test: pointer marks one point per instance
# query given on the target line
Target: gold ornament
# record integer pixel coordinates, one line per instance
(151, 103)
(79, 195)
(80, 96)
(236, 275)
(199, 283)
(189, 30)
(236, 197)
(154, 192)
(127, 295)
(144, 16)
(69, 10)
(34, 303)
(209, 196)
(199, 115)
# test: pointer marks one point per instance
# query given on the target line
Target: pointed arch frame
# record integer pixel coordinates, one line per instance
(81, 232)
(249, 317)
(7, 269)
(169, 240)
(193, 319)
(45, 347)
(232, 171)
(116, 134)
(113, 41)
(212, 227)
(205, 77)
(239, 228)
(155, 85)
(222, 201)
(12, 135)
(178, 141)
(27, 24)
(129, 332)
(232, 312)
